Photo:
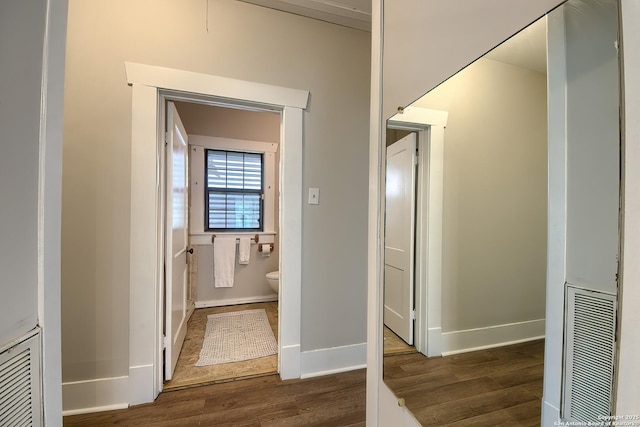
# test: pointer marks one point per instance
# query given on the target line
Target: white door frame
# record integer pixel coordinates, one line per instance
(430, 125)
(146, 232)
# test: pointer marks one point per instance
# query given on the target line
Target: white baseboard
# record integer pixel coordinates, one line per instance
(235, 301)
(289, 362)
(550, 414)
(491, 336)
(327, 361)
(103, 394)
(141, 385)
(434, 342)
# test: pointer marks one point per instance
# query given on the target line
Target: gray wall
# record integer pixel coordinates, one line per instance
(494, 227)
(593, 144)
(245, 42)
(249, 280)
(21, 70)
(32, 41)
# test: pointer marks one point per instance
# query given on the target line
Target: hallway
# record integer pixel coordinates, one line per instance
(333, 400)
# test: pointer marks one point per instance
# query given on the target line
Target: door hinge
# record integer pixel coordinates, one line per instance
(166, 138)
(413, 314)
(165, 342)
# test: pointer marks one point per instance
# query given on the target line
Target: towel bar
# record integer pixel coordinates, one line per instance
(255, 238)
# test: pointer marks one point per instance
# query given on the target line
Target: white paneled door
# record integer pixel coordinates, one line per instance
(400, 237)
(176, 240)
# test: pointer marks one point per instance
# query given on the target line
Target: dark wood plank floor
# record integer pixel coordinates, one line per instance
(333, 400)
(495, 387)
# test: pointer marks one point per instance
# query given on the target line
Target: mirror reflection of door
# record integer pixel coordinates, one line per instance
(400, 238)
(489, 360)
(521, 145)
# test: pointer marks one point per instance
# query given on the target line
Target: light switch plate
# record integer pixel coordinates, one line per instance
(314, 196)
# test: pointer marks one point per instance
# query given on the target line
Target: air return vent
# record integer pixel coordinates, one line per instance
(20, 384)
(589, 355)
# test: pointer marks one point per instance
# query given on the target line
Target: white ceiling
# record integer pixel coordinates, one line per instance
(527, 49)
(350, 13)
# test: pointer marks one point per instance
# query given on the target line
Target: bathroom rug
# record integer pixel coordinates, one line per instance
(237, 336)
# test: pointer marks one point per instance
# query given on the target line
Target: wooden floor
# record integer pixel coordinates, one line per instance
(495, 387)
(187, 374)
(333, 400)
(393, 344)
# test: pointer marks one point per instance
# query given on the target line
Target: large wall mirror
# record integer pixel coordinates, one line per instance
(465, 249)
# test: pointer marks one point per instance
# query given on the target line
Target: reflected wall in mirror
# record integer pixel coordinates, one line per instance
(467, 253)
(474, 278)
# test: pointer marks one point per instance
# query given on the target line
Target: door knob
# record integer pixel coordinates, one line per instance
(190, 250)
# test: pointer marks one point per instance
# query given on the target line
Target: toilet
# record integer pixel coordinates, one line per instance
(273, 279)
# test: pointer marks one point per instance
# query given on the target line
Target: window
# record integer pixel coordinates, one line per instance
(234, 190)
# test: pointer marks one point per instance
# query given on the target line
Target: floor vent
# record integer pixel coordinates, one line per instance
(20, 403)
(589, 355)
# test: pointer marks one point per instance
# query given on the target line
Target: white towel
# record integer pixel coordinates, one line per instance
(244, 250)
(224, 260)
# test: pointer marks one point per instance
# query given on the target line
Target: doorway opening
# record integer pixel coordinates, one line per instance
(421, 294)
(231, 188)
(148, 84)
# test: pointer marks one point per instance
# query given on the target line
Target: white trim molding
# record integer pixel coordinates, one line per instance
(235, 301)
(324, 10)
(292, 354)
(223, 87)
(326, 361)
(374, 225)
(102, 394)
(491, 336)
(151, 84)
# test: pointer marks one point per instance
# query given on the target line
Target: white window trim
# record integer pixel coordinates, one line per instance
(197, 146)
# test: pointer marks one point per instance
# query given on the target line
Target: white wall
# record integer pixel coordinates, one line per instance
(20, 123)
(330, 61)
(593, 144)
(495, 196)
(628, 377)
(32, 42)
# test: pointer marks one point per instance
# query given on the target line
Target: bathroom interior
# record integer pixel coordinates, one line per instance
(253, 282)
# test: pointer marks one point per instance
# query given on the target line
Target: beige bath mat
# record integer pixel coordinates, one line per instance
(237, 336)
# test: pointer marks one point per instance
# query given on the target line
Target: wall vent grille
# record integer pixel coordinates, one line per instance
(20, 385)
(589, 355)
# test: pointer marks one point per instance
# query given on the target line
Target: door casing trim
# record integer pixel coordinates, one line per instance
(430, 126)
(149, 84)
